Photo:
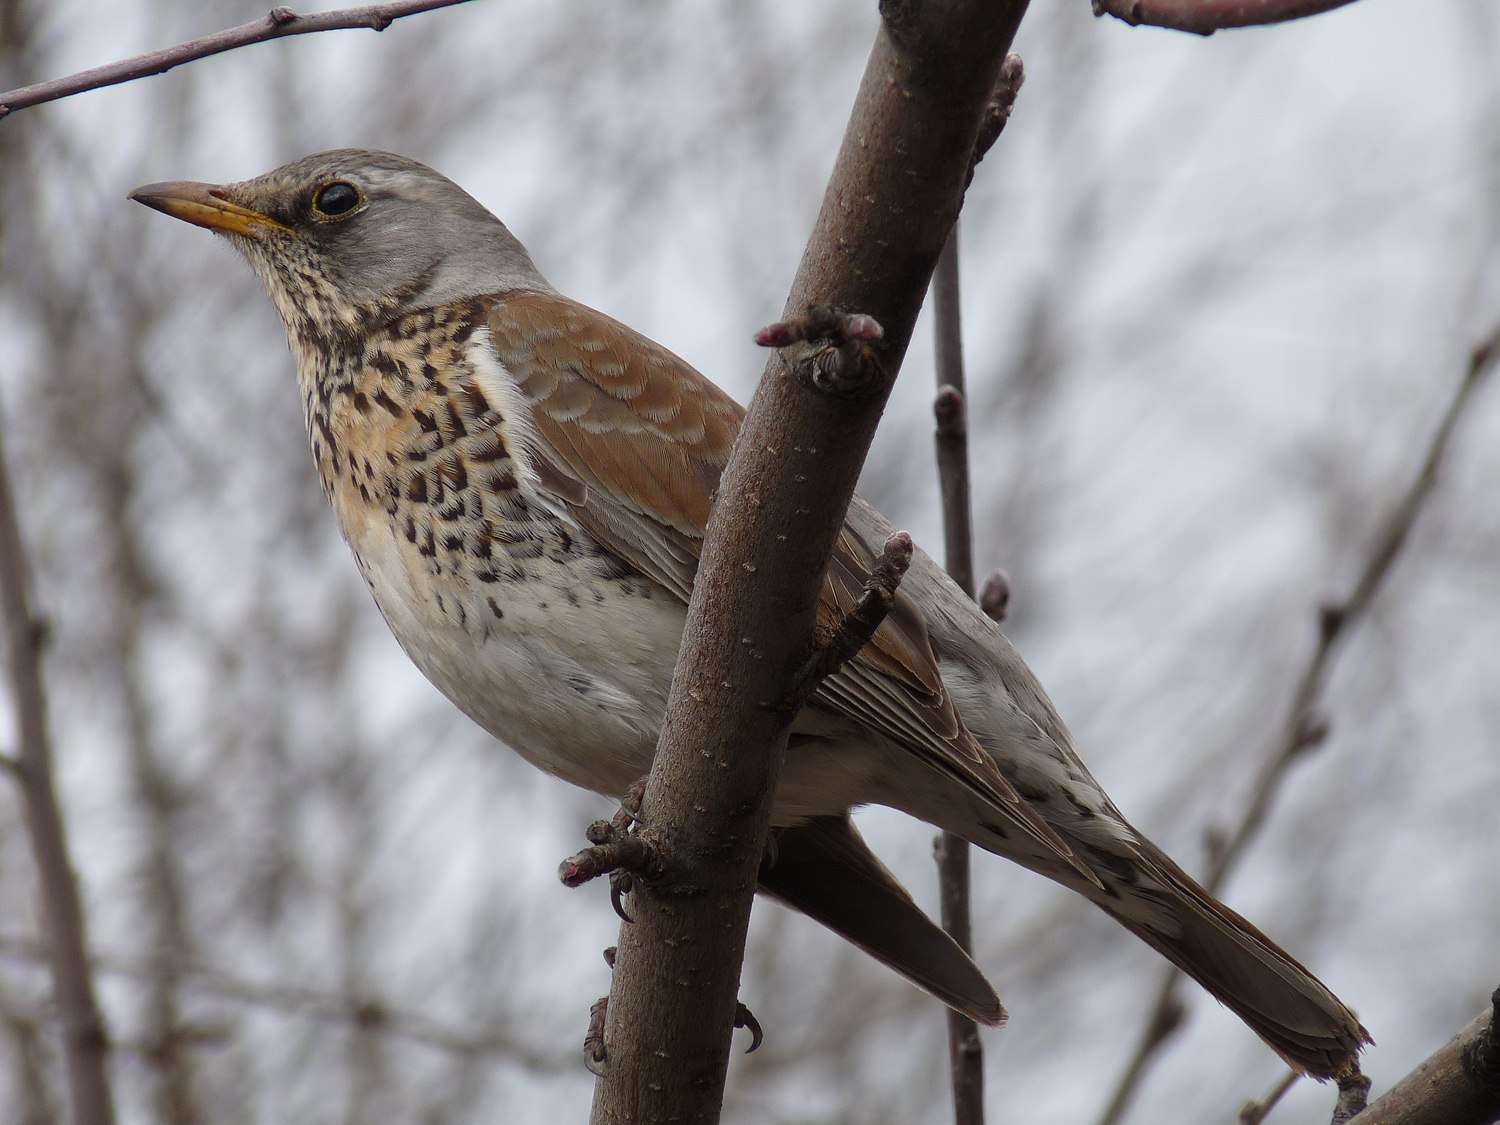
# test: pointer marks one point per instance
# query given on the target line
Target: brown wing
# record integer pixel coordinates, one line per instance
(634, 440)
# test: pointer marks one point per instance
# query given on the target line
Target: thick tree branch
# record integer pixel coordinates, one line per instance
(277, 24)
(1204, 17)
(893, 197)
(1305, 729)
(85, 1042)
(1458, 1085)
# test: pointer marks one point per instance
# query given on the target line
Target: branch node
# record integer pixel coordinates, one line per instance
(857, 627)
(843, 361)
(1354, 1093)
(1312, 731)
(997, 113)
(1331, 618)
(282, 16)
(950, 410)
(994, 595)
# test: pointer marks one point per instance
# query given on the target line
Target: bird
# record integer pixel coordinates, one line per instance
(524, 483)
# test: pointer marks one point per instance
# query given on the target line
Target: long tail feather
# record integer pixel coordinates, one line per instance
(825, 869)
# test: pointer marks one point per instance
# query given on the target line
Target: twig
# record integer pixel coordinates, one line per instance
(1305, 729)
(366, 1013)
(888, 208)
(278, 24)
(965, 1052)
(85, 1042)
(857, 627)
(1458, 1085)
(1204, 17)
(1256, 1112)
(996, 117)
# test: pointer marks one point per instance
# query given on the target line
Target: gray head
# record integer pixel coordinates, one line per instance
(345, 237)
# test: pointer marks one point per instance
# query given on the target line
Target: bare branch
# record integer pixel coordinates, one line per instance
(857, 627)
(85, 1042)
(1256, 1112)
(1305, 728)
(895, 191)
(277, 24)
(965, 1052)
(1204, 17)
(1458, 1085)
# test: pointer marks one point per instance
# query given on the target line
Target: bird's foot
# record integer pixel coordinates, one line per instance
(613, 852)
(621, 850)
(744, 1017)
(596, 1058)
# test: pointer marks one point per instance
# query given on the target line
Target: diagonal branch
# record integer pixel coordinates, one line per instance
(1457, 1085)
(277, 24)
(1204, 17)
(1305, 729)
(895, 191)
(85, 1042)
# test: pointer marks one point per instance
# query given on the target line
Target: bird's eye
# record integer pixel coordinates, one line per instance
(334, 200)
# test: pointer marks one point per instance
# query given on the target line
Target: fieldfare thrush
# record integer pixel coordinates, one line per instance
(524, 483)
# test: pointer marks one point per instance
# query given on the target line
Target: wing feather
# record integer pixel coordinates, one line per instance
(644, 438)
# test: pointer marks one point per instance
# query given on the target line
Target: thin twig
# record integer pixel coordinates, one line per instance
(1204, 17)
(857, 627)
(1256, 1112)
(85, 1041)
(364, 1012)
(1305, 729)
(965, 1053)
(278, 24)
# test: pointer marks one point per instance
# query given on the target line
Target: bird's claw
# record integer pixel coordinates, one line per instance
(743, 1017)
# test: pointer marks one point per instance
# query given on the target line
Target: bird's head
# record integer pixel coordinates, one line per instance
(345, 238)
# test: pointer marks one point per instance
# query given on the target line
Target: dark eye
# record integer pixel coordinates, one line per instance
(333, 200)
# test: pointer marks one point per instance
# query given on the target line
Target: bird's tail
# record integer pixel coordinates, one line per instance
(1283, 1003)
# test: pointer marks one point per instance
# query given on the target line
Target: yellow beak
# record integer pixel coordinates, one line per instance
(205, 205)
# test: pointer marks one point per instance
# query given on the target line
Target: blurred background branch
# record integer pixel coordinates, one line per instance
(1305, 728)
(85, 1040)
(280, 23)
